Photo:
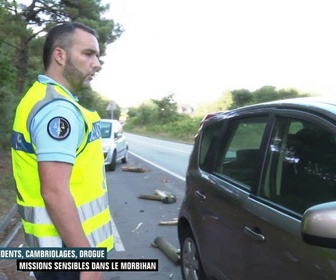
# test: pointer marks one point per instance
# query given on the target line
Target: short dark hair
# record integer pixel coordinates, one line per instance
(60, 36)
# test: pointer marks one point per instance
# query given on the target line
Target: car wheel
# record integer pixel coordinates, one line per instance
(112, 165)
(191, 265)
(125, 158)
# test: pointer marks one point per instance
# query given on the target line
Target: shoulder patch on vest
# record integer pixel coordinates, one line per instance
(59, 128)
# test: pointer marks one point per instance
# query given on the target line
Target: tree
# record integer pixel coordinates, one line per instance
(290, 93)
(265, 94)
(144, 114)
(166, 108)
(223, 103)
(94, 101)
(7, 96)
(241, 97)
(24, 23)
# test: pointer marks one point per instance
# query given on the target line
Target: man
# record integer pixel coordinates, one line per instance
(57, 154)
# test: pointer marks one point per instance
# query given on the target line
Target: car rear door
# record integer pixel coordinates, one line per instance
(221, 195)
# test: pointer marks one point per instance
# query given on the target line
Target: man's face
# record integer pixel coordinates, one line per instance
(82, 61)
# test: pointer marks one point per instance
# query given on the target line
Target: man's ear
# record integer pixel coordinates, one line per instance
(59, 56)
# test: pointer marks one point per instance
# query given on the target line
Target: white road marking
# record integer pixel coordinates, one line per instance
(163, 147)
(158, 166)
(118, 245)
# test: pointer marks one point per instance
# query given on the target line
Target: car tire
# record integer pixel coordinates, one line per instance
(112, 165)
(191, 265)
(125, 158)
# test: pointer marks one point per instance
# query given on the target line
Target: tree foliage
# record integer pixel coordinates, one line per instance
(22, 23)
(93, 101)
(243, 97)
(166, 109)
(23, 27)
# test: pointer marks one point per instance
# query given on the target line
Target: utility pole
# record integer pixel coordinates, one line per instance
(111, 108)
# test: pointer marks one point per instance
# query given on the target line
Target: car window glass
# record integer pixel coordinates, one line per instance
(117, 130)
(240, 148)
(208, 138)
(105, 128)
(301, 165)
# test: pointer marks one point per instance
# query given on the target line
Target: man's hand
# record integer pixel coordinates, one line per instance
(91, 275)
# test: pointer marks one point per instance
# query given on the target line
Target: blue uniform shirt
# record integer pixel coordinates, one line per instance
(48, 147)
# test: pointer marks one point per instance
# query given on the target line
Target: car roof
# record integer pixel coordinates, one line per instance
(321, 105)
(303, 102)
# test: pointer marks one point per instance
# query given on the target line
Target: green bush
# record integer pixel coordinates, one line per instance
(184, 129)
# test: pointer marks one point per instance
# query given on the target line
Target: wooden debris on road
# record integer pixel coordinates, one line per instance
(137, 227)
(169, 223)
(168, 249)
(134, 169)
(150, 196)
(162, 196)
(166, 196)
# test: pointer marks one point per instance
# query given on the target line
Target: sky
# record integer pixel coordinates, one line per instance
(199, 49)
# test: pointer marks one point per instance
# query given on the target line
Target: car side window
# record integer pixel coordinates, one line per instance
(209, 136)
(239, 151)
(116, 131)
(301, 165)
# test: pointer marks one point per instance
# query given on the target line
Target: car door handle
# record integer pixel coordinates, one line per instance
(200, 195)
(254, 233)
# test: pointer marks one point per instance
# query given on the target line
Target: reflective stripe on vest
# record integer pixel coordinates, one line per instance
(101, 237)
(43, 241)
(39, 215)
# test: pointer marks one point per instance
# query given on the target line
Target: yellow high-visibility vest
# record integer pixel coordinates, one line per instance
(87, 184)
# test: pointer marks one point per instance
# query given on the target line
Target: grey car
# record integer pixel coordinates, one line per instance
(260, 199)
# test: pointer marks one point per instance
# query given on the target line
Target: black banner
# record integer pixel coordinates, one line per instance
(88, 265)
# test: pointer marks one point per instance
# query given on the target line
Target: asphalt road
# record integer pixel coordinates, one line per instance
(137, 220)
(173, 157)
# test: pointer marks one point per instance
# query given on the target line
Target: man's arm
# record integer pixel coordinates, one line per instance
(55, 190)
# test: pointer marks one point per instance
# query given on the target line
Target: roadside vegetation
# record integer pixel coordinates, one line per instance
(162, 119)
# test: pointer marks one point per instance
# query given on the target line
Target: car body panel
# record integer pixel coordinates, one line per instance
(252, 229)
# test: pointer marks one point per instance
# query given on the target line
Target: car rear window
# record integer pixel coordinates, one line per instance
(105, 128)
(240, 149)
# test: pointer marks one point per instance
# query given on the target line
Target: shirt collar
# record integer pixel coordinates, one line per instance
(46, 80)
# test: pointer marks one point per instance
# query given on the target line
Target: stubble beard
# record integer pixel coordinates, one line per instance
(74, 77)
